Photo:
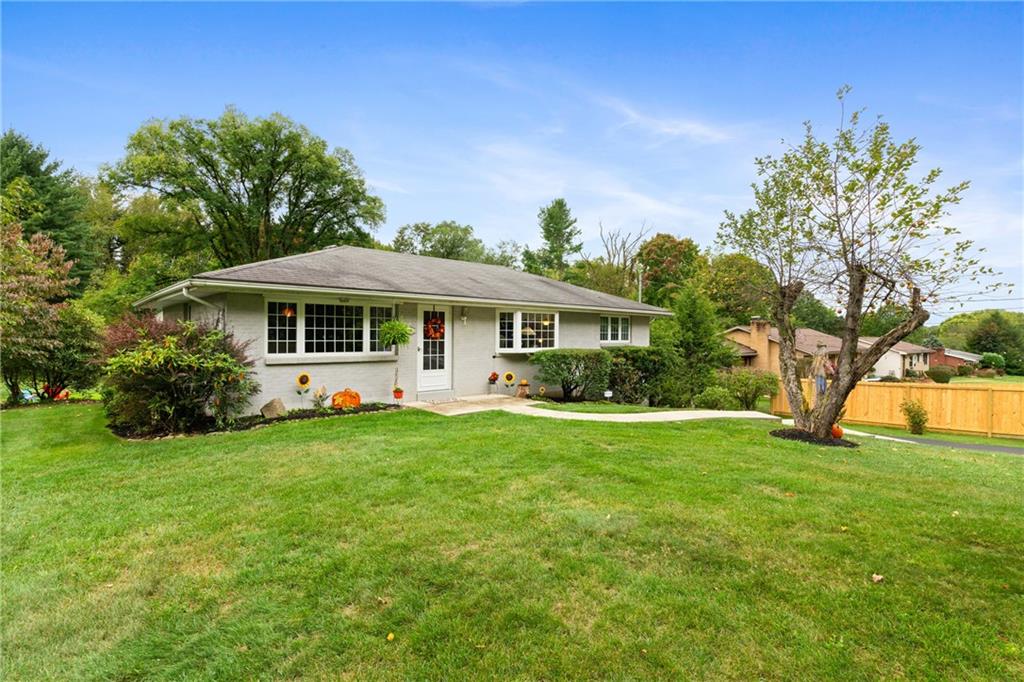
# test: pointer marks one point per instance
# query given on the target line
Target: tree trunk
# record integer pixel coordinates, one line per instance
(787, 354)
(853, 365)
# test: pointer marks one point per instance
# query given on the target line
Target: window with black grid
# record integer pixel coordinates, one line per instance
(506, 330)
(282, 320)
(433, 349)
(378, 316)
(334, 328)
(537, 330)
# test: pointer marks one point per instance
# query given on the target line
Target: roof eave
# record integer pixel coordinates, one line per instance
(238, 285)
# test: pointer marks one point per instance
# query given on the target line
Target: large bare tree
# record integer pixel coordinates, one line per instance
(852, 221)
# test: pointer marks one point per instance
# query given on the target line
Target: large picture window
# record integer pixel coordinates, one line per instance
(526, 331)
(324, 328)
(614, 329)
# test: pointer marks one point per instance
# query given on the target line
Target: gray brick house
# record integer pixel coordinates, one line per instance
(319, 312)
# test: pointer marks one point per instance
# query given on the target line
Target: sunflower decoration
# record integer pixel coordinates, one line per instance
(542, 390)
(303, 381)
(509, 378)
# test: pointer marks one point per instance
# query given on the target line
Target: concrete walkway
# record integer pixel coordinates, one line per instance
(481, 403)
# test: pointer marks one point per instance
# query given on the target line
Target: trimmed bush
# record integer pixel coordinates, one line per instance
(716, 398)
(890, 379)
(988, 373)
(992, 361)
(964, 370)
(940, 374)
(175, 378)
(581, 372)
(748, 385)
(915, 414)
(637, 374)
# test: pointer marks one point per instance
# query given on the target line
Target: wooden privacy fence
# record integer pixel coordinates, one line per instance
(991, 409)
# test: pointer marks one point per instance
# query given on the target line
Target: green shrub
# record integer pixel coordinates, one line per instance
(716, 398)
(748, 385)
(74, 361)
(890, 379)
(964, 370)
(987, 373)
(182, 380)
(915, 414)
(911, 374)
(992, 361)
(940, 374)
(581, 372)
(637, 373)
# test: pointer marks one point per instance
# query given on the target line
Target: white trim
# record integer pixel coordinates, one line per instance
(273, 289)
(425, 378)
(517, 324)
(619, 341)
(300, 331)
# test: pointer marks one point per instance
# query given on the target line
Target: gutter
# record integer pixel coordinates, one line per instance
(228, 285)
(190, 297)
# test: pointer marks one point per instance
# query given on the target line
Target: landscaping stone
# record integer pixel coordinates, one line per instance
(274, 409)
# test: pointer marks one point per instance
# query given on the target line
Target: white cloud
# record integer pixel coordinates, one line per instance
(665, 127)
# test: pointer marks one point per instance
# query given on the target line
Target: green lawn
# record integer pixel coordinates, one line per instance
(599, 407)
(1005, 379)
(502, 546)
(939, 435)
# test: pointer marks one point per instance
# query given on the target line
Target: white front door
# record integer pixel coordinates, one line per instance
(434, 348)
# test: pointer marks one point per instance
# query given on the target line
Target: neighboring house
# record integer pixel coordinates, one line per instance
(758, 346)
(953, 358)
(320, 312)
(912, 357)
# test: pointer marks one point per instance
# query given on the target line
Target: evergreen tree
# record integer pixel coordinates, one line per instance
(56, 200)
(561, 241)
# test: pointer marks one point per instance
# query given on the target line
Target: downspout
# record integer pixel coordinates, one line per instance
(190, 297)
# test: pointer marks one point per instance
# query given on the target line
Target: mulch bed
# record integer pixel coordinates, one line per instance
(808, 437)
(259, 421)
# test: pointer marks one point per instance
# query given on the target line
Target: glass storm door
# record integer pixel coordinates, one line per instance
(435, 349)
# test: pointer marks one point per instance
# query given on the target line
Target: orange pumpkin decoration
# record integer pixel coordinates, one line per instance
(346, 400)
(837, 431)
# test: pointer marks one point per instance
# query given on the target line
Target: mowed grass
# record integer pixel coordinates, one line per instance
(502, 546)
(1005, 379)
(950, 437)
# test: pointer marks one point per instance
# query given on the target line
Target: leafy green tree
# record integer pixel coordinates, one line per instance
(668, 263)
(737, 286)
(253, 188)
(886, 318)
(811, 313)
(35, 273)
(561, 241)
(49, 198)
(850, 220)
(700, 347)
(73, 361)
(956, 330)
(996, 334)
(600, 275)
(112, 292)
(448, 239)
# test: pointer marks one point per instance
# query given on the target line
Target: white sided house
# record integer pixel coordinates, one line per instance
(319, 313)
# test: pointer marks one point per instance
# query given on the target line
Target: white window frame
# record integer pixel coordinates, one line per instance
(619, 341)
(300, 328)
(517, 328)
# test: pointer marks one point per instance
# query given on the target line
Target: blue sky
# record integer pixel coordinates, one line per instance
(482, 113)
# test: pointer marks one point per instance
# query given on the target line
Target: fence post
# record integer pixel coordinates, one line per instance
(991, 409)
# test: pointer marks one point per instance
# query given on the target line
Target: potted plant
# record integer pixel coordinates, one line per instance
(395, 333)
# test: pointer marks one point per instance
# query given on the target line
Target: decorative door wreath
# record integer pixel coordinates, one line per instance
(433, 329)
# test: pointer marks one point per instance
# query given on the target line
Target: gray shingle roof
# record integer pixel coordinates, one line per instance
(374, 270)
